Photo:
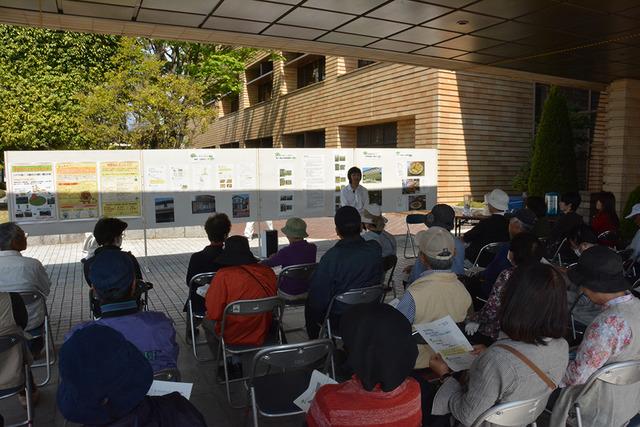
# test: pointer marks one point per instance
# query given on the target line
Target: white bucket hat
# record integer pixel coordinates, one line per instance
(498, 199)
(634, 211)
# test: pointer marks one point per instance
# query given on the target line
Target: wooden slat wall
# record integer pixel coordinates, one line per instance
(596, 158)
(481, 125)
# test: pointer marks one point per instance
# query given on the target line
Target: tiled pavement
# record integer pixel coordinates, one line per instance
(165, 266)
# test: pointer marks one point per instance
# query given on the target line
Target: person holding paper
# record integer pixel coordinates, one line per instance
(437, 292)
(528, 364)
(104, 381)
(374, 222)
(354, 194)
(382, 353)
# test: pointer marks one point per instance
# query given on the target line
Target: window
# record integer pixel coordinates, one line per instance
(364, 62)
(230, 104)
(230, 145)
(312, 72)
(260, 82)
(314, 139)
(382, 135)
(264, 91)
(259, 143)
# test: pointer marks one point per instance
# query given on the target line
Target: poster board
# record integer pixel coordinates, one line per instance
(175, 188)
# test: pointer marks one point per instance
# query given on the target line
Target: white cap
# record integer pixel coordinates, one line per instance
(498, 199)
(635, 210)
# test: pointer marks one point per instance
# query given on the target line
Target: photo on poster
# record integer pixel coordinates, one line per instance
(203, 203)
(340, 167)
(286, 197)
(375, 197)
(286, 205)
(418, 202)
(340, 158)
(372, 175)
(415, 168)
(286, 209)
(164, 210)
(410, 186)
(240, 206)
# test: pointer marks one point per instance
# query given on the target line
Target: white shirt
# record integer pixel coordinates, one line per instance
(358, 198)
(635, 245)
(18, 273)
(386, 241)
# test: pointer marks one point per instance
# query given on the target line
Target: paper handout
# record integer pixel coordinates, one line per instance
(444, 337)
(160, 388)
(318, 379)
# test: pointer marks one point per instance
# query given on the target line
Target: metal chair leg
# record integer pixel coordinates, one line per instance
(195, 344)
(254, 406)
(578, 416)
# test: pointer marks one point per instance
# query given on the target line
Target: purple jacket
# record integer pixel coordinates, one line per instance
(301, 252)
(151, 332)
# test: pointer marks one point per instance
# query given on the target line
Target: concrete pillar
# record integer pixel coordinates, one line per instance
(621, 168)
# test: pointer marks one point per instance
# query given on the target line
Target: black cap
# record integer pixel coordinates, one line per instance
(346, 216)
(107, 229)
(524, 215)
(600, 270)
(441, 216)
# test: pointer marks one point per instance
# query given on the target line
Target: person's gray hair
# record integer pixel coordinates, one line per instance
(439, 264)
(8, 233)
(524, 227)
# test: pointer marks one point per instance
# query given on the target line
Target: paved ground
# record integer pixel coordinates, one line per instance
(165, 266)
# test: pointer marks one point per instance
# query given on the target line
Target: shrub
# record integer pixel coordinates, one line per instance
(553, 164)
(628, 227)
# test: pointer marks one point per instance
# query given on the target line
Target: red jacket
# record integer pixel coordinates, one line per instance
(238, 283)
(602, 222)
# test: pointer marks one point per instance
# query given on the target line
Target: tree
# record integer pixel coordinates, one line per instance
(553, 164)
(139, 105)
(41, 71)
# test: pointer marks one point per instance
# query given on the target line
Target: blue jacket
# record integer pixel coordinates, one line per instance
(352, 263)
(151, 332)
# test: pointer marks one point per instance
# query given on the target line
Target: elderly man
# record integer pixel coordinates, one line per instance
(491, 229)
(437, 292)
(20, 273)
(352, 263)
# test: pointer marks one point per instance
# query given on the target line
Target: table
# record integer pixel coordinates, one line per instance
(462, 219)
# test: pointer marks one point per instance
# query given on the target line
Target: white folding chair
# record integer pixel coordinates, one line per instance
(522, 412)
(44, 331)
(7, 342)
(197, 281)
(621, 373)
(273, 305)
(295, 363)
(351, 297)
(489, 248)
(302, 272)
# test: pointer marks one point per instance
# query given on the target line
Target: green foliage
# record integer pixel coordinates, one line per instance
(41, 71)
(628, 227)
(553, 164)
(520, 182)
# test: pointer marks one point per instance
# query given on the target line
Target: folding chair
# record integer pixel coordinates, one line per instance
(7, 342)
(301, 272)
(557, 255)
(411, 219)
(273, 305)
(389, 264)
(351, 297)
(44, 331)
(490, 249)
(522, 412)
(574, 330)
(197, 281)
(295, 363)
(635, 288)
(171, 374)
(608, 235)
(621, 373)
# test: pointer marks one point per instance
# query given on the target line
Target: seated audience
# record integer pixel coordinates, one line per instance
(611, 337)
(299, 251)
(104, 381)
(20, 273)
(635, 243)
(606, 218)
(115, 286)
(13, 321)
(437, 292)
(538, 206)
(352, 263)
(533, 315)
(109, 233)
(491, 229)
(381, 352)
(484, 326)
(581, 238)
(569, 219)
(374, 222)
(240, 277)
(441, 216)
(217, 228)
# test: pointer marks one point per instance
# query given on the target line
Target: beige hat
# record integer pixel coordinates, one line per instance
(498, 199)
(436, 243)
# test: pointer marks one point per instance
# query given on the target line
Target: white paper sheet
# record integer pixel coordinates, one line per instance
(318, 379)
(444, 337)
(160, 388)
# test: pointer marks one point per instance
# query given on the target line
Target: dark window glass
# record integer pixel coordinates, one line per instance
(310, 73)
(264, 91)
(234, 103)
(364, 62)
(381, 135)
(259, 143)
(230, 145)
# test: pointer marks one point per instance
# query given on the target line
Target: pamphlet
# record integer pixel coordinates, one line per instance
(444, 337)
(318, 379)
(160, 388)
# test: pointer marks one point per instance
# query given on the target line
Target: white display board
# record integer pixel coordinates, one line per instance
(58, 192)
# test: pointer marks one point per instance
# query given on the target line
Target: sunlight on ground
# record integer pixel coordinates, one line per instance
(4, 216)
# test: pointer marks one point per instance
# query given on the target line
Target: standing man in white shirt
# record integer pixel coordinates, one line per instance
(354, 194)
(18, 273)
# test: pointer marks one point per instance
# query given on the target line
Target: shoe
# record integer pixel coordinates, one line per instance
(35, 396)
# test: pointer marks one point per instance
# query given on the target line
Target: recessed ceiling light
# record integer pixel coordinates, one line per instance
(462, 22)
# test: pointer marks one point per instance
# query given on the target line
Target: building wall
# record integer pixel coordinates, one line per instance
(481, 125)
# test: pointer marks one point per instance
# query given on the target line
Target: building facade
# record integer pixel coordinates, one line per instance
(481, 125)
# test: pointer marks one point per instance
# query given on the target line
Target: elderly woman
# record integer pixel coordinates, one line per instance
(533, 316)
(382, 353)
(374, 222)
